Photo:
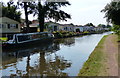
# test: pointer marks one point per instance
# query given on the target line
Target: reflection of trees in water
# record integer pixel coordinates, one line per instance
(45, 67)
(57, 66)
(51, 67)
(66, 41)
(11, 56)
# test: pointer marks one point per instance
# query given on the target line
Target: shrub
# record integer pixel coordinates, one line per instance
(3, 39)
(71, 33)
(85, 32)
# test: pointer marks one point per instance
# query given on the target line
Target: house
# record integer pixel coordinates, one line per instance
(51, 26)
(86, 28)
(66, 27)
(100, 28)
(107, 29)
(9, 26)
(89, 28)
(79, 28)
(32, 28)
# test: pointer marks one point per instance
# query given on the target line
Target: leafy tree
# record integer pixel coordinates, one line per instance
(10, 11)
(46, 25)
(50, 10)
(112, 13)
(108, 26)
(89, 24)
(28, 8)
(102, 25)
(71, 24)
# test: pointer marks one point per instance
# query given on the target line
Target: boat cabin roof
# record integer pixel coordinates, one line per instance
(32, 33)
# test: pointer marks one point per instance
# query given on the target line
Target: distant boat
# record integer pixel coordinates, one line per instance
(26, 39)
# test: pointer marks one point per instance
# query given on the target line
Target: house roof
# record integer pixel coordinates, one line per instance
(7, 20)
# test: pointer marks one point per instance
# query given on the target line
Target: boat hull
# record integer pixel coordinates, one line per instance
(26, 44)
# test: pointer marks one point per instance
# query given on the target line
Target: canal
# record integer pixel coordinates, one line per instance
(62, 57)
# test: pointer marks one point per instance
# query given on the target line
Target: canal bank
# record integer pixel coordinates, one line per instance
(103, 61)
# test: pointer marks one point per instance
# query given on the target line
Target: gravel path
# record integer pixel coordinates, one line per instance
(111, 50)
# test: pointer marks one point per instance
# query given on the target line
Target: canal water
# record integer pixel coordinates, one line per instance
(62, 57)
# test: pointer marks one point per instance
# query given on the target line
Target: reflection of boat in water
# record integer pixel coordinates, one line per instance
(13, 54)
(24, 51)
(36, 60)
(47, 48)
(25, 39)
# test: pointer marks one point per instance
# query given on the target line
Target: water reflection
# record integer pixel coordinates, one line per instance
(62, 57)
(51, 67)
(40, 60)
(66, 41)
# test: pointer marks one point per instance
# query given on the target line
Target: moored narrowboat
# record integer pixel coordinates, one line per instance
(26, 39)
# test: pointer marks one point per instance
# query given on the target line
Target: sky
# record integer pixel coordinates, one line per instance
(82, 12)
(86, 11)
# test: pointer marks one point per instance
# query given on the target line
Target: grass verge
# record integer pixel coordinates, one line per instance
(94, 65)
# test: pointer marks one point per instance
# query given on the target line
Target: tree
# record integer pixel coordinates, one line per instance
(28, 8)
(108, 26)
(89, 24)
(71, 24)
(10, 11)
(26, 15)
(112, 12)
(102, 25)
(50, 10)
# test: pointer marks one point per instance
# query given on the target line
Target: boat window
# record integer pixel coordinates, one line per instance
(35, 36)
(31, 37)
(23, 38)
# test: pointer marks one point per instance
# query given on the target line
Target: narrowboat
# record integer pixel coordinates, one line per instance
(26, 39)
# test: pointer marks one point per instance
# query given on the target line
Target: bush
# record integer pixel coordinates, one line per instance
(60, 34)
(57, 34)
(85, 32)
(3, 39)
(116, 29)
(71, 33)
